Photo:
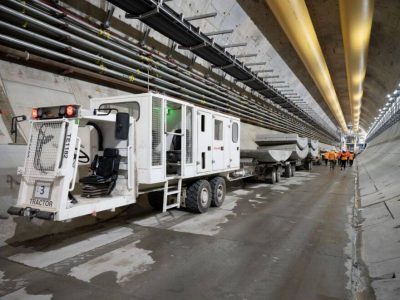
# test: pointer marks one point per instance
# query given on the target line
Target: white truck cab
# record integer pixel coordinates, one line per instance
(81, 162)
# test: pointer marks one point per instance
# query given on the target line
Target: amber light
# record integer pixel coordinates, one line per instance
(70, 111)
(34, 113)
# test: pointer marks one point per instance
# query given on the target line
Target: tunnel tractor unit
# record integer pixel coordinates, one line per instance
(80, 162)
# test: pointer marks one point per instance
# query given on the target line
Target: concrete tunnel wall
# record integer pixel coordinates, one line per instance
(379, 210)
(23, 88)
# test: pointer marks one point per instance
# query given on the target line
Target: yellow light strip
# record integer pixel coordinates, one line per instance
(295, 20)
(356, 23)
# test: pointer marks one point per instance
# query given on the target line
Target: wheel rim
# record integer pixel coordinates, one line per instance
(204, 197)
(220, 192)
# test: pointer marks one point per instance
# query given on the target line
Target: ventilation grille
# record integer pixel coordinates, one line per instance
(156, 145)
(43, 148)
(189, 134)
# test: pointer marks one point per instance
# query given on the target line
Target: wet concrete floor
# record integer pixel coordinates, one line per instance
(286, 241)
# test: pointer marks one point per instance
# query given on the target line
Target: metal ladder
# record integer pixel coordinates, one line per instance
(168, 193)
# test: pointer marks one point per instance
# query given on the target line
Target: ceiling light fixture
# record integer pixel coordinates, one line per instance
(295, 20)
(356, 23)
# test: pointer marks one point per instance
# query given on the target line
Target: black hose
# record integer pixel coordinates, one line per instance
(99, 134)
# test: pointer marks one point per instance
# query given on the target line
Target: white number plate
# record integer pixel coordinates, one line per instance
(42, 190)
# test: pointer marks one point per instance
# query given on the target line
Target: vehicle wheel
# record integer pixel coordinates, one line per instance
(156, 200)
(198, 198)
(272, 179)
(293, 167)
(278, 175)
(288, 171)
(218, 191)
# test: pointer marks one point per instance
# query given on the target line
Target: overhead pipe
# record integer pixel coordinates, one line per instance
(181, 70)
(295, 20)
(81, 42)
(100, 40)
(255, 111)
(356, 23)
(129, 45)
(94, 67)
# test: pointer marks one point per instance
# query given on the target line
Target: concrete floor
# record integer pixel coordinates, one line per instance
(287, 241)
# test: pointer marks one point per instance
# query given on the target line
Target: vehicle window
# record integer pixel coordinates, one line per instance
(218, 130)
(189, 135)
(235, 132)
(133, 108)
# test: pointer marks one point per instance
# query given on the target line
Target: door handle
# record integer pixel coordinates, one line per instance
(222, 148)
(209, 148)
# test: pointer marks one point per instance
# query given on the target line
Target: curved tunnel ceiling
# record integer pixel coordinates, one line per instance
(295, 20)
(383, 70)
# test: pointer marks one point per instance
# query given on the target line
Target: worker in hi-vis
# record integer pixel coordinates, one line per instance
(351, 159)
(332, 159)
(343, 160)
(325, 156)
(348, 157)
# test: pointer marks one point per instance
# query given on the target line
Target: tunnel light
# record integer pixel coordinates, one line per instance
(70, 111)
(356, 23)
(34, 113)
(295, 20)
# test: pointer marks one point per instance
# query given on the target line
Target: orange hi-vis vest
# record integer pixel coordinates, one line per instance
(331, 155)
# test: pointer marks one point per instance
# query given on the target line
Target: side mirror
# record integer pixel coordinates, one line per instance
(122, 126)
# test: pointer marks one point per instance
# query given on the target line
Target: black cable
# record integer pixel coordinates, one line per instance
(99, 134)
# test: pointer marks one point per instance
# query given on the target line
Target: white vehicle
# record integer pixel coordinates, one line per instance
(81, 162)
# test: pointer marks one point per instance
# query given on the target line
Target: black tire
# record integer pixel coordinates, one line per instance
(288, 171)
(272, 179)
(195, 197)
(278, 175)
(156, 200)
(293, 167)
(218, 191)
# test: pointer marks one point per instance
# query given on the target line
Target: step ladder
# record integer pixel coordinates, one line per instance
(168, 193)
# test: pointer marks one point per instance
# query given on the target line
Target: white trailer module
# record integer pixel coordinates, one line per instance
(80, 162)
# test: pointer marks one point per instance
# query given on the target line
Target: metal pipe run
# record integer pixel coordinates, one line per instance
(81, 23)
(121, 62)
(130, 45)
